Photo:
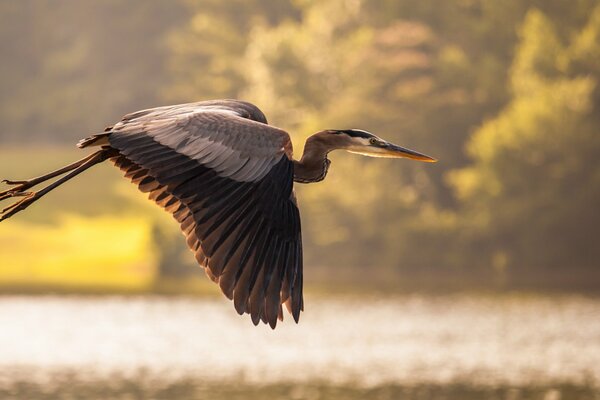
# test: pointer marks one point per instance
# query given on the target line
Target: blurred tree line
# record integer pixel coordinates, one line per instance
(504, 94)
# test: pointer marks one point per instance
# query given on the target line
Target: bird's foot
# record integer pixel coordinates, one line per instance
(17, 191)
(20, 205)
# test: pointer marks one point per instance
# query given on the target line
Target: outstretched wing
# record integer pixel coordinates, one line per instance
(227, 178)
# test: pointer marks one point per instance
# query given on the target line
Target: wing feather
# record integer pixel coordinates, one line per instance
(224, 175)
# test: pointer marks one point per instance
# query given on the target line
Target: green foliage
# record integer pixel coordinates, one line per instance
(70, 68)
(504, 93)
(427, 76)
(206, 52)
(535, 181)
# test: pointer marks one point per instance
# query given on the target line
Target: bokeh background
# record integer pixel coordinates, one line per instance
(476, 277)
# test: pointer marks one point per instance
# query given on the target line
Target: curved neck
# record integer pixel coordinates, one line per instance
(314, 164)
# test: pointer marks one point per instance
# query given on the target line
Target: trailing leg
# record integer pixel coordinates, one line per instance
(21, 186)
(31, 197)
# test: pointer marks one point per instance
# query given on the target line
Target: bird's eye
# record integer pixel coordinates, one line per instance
(373, 140)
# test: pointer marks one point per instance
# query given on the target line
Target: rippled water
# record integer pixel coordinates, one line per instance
(409, 340)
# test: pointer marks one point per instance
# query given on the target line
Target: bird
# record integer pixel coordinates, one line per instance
(227, 177)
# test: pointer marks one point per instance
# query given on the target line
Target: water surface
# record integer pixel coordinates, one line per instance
(363, 342)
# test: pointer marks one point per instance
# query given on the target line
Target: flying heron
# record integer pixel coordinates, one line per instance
(227, 177)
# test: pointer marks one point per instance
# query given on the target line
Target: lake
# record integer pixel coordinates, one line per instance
(453, 346)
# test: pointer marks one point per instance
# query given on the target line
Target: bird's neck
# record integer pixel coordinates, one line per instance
(314, 164)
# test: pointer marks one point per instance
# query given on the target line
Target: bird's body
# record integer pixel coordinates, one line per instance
(227, 178)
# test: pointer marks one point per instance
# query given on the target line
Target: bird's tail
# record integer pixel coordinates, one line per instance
(20, 188)
(99, 139)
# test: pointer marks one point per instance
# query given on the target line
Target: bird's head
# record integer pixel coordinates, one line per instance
(367, 144)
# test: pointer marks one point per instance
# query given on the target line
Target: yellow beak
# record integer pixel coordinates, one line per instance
(391, 150)
(388, 150)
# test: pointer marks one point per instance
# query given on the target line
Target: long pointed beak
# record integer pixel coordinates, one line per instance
(377, 147)
(391, 150)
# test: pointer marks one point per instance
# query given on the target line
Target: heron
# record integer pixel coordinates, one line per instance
(227, 178)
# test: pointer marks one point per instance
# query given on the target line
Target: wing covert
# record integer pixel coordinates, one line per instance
(219, 137)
